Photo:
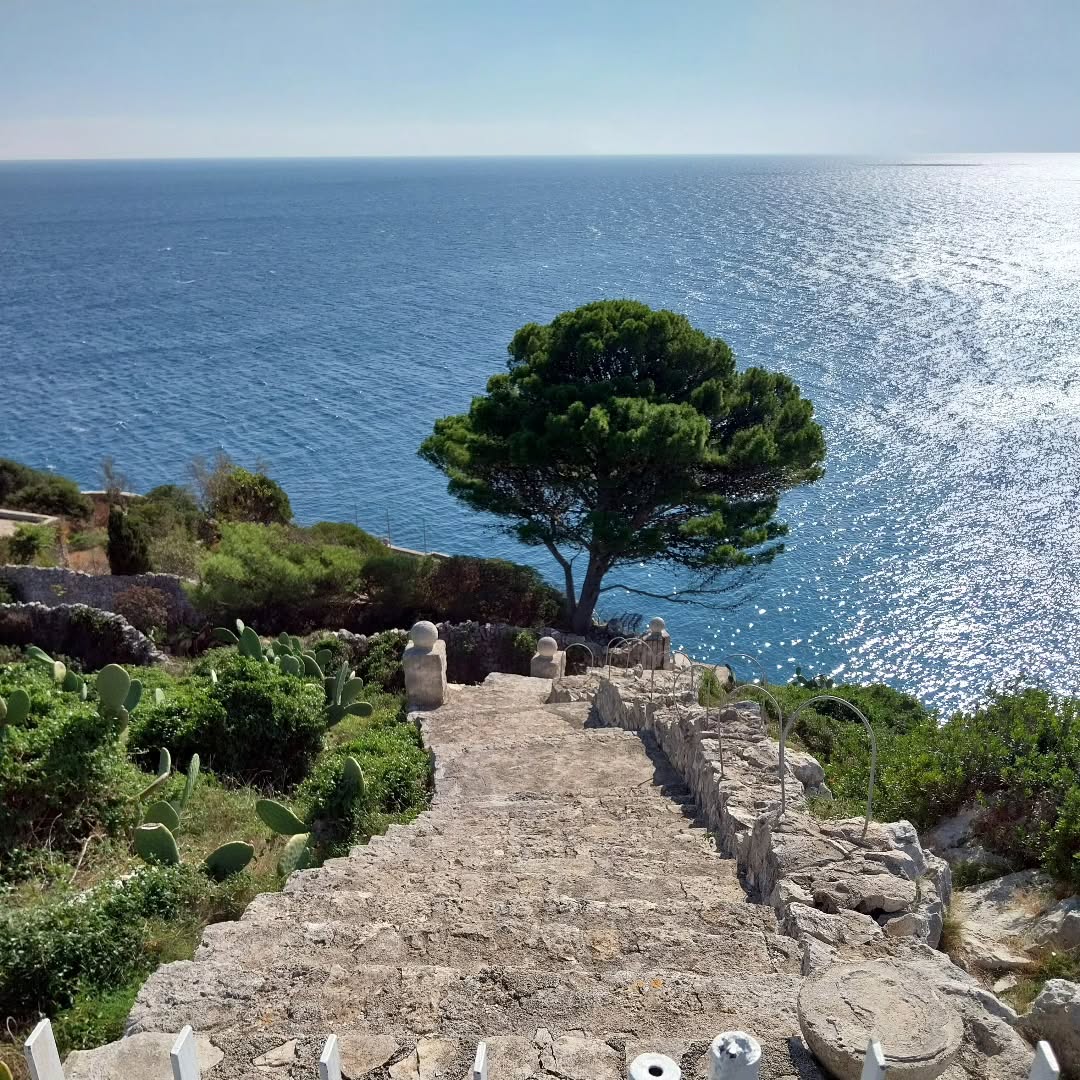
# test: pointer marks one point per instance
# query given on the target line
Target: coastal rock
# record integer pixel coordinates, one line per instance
(144, 1056)
(1055, 1017)
(1000, 918)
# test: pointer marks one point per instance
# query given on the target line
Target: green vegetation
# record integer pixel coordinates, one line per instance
(128, 546)
(146, 608)
(624, 434)
(23, 488)
(33, 545)
(111, 862)
(229, 492)
(1017, 757)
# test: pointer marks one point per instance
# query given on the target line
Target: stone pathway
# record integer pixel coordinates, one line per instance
(557, 901)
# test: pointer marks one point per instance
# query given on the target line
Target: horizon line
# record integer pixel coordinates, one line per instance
(136, 159)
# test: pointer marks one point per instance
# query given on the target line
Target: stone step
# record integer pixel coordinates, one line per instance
(583, 878)
(414, 909)
(473, 945)
(364, 998)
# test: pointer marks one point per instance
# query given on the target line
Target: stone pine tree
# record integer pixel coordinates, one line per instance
(623, 435)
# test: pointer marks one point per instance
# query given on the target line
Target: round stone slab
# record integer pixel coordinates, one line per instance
(847, 1004)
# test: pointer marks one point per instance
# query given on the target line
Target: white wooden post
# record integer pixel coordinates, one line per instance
(874, 1065)
(479, 1065)
(184, 1057)
(654, 1067)
(41, 1054)
(330, 1060)
(1045, 1066)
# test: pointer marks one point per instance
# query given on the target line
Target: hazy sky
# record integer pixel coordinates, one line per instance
(232, 78)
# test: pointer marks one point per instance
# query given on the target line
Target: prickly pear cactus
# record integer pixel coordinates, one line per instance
(352, 780)
(18, 707)
(229, 859)
(192, 779)
(296, 855)
(155, 843)
(341, 694)
(162, 813)
(279, 818)
(250, 645)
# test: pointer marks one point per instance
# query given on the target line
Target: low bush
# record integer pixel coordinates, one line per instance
(266, 576)
(344, 534)
(33, 545)
(23, 488)
(381, 665)
(256, 725)
(462, 588)
(240, 495)
(398, 781)
(52, 953)
(1017, 757)
(146, 608)
(87, 539)
(63, 772)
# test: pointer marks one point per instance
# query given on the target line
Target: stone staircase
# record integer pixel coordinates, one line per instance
(558, 901)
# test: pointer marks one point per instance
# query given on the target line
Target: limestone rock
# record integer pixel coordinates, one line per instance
(1059, 928)
(999, 918)
(954, 840)
(144, 1056)
(1055, 1017)
(840, 1009)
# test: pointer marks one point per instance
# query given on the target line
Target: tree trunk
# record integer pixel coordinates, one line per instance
(581, 620)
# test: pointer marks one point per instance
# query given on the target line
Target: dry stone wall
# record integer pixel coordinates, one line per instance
(847, 891)
(94, 637)
(55, 587)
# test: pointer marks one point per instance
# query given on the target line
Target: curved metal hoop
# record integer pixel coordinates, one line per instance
(582, 645)
(786, 727)
(745, 656)
(711, 668)
(607, 652)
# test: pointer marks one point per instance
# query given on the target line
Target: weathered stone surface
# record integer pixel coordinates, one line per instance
(144, 1056)
(1001, 919)
(1055, 1016)
(953, 839)
(548, 662)
(1059, 928)
(846, 1005)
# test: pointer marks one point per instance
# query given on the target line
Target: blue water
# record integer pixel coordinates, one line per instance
(320, 315)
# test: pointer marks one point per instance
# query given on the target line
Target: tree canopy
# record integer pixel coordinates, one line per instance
(620, 434)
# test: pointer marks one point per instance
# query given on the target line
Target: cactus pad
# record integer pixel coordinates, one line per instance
(192, 779)
(18, 707)
(162, 813)
(229, 859)
(113, 685)
(296, 854)
(156, 844)
(225, 636)
(279, 818)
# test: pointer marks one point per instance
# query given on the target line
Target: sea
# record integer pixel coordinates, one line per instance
(319, 315)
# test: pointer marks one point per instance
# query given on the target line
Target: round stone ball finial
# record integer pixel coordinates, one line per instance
(657, 625)
(547, 647)
(424, 634)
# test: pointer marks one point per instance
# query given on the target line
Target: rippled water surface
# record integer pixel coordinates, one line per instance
(320, 315)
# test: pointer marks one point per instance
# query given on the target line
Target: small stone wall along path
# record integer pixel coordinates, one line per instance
(558, 901)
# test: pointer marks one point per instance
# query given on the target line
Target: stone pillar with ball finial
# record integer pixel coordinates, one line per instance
(549, 661)
(656, 653)
(425, 667)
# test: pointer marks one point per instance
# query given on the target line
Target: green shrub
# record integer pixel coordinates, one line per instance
(381, 665)
(257, 725)
(33, 544)
(1018, 757)
(344, 534)
(128, 546)
(23, 488)
(51, 952)
(488, 590)
(524, 648)
(398, 783)
(337, 648)
(87, 540)
(145, 607)
(240, 495)
(63, 773)
(391, 584)
(263, 575)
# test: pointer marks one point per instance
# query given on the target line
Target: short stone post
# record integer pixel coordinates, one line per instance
(549, 662)
(654, 1067)
(41, 1054)
(734, 1055)
(657, 651)
(1045, 1065)
(183, 1057)
(330, 1060)
(425, 667)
